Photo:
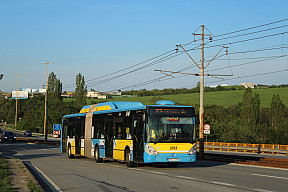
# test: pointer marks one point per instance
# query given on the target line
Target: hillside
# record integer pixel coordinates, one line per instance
(221, 98)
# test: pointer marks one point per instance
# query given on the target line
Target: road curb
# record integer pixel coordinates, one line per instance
(46, 183)
(25, 171)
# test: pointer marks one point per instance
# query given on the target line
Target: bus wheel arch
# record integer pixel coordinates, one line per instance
(97, 157)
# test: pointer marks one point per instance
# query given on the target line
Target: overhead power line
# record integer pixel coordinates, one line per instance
(169, 55)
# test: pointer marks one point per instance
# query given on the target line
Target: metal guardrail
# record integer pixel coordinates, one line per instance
(246, 147)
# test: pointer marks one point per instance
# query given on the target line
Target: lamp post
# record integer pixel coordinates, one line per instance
(16, 101)
(46, 102)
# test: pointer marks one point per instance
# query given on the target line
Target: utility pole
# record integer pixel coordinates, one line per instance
(16, 102)
(46, 102)
(201, 67)
(201, 110)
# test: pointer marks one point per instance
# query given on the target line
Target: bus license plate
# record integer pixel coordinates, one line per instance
(173, 159)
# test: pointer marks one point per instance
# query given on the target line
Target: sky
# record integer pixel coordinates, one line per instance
(118, 44)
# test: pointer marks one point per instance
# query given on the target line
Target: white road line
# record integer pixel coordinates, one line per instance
(271, 176)
(221, 183)
(156, 172)
(184, 177)
(262, 190)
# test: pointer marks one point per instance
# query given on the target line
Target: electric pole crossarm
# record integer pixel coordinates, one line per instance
(176, 72)
(188, 55)
(168, 75)
(216, 56)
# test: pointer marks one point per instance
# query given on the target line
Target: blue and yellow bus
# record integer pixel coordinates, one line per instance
(131, 132)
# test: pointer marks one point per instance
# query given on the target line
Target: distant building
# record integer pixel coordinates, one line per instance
(30, 90)
(222, 85)
(93, 94)
(250, 85)
(42, 90)
(102, 96)
(115, 93)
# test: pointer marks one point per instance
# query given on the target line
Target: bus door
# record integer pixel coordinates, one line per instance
(78, 136)
(64, 136)
(138, 148)
(109, 125)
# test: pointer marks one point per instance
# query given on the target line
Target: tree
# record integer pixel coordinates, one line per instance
(279, 121)
(247, 106)
(276, 111)
(54, 87)
(80, 91)
(250, 114)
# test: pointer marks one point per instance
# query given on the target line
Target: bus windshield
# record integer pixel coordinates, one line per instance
(170, 130)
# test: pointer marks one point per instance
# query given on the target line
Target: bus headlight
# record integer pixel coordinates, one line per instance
(150, 150)
(192, 151)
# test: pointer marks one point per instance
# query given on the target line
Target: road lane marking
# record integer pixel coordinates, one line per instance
(262, 190)
(225, 184)
(271, 176)
(191, 178)
(156, 172)
(184, 177)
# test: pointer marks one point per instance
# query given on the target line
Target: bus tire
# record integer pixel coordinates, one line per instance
(172, 164)
(97, 157)
(129, 163)
(70, 155)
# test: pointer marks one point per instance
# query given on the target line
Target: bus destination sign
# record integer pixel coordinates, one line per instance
(185, 111)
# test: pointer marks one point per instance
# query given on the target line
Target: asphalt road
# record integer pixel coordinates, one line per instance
(83, 174)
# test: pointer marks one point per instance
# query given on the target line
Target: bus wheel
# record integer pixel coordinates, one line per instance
(70, 155)
(129, 163)
(97, 155)
(172, 164)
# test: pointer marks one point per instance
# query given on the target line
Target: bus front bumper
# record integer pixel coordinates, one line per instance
(169, 157)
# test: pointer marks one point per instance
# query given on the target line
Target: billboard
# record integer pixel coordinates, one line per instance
(19, 94)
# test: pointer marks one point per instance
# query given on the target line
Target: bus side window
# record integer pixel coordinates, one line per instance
(119, 130)
(98, 128)
(127, 127)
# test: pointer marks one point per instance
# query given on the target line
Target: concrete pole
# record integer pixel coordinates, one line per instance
(201, 110)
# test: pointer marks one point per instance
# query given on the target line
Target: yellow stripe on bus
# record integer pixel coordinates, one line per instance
(172, 147)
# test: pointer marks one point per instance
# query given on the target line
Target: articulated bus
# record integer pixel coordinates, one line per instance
(131, 132)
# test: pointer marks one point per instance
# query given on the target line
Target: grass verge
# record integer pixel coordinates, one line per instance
(5, 179)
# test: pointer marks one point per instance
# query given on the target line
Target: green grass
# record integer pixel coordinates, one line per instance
(32, 186)
(5, 180)
(221, 98)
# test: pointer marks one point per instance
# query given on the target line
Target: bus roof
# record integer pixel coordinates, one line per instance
(119, 106)
(114, 106)
(75, 115)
